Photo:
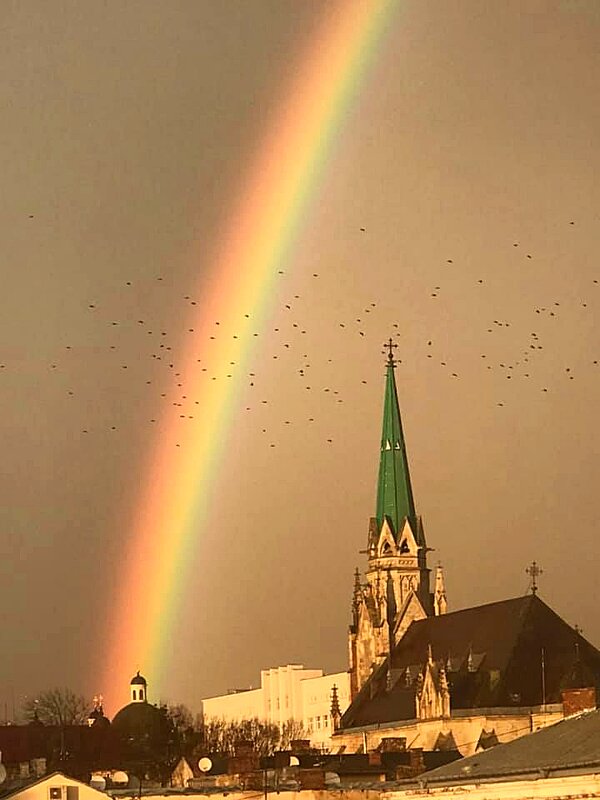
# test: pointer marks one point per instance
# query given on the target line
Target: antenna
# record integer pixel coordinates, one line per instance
(543, 666)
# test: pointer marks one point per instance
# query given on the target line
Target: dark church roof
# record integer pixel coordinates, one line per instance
(139, 720)
(570, 744)
(138, 680)
(492, 655)
(136, 714)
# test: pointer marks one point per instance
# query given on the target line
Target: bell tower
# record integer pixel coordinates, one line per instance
(138, 689)
(396, 587)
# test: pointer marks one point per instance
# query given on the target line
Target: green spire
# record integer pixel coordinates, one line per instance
(394, 492)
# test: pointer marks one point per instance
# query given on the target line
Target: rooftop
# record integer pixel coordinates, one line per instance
(569, 745)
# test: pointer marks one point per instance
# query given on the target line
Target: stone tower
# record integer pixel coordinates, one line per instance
(396, 587)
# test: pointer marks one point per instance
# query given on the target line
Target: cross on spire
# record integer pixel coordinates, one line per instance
(389, 347)
(534, 571)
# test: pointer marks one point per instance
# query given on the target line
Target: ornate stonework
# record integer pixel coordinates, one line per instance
(395, 591)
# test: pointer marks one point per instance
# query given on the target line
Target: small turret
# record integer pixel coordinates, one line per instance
(440, 603)
(336, 713)
(139, 688)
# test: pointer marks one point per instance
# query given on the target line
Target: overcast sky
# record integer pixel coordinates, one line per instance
(470, 159)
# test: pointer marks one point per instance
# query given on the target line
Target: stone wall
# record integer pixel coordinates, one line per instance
(463, 728)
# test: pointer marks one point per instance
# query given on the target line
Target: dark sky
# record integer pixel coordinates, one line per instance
(470, 160)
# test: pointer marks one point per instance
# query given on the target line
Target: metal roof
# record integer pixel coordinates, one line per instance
(569, 745)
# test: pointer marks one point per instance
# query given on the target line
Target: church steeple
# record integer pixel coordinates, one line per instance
(394, 492)
(395, 592)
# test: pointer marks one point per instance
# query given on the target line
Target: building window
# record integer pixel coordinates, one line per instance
(326, 721)
(318, 721)
(134, 694)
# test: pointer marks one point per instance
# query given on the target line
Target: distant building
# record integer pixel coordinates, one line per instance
(141, 741)
(290, 693)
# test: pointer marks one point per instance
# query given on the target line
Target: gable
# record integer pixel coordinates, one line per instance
(70, 788)
(386, 545)
(406, 541)
(412, 610)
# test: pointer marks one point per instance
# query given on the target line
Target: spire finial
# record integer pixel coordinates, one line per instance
(534, 571)
(389, 347)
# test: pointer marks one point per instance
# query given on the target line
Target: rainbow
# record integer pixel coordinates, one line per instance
(258, 234)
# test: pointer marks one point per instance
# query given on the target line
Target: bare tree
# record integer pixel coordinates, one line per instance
(263, 735)
(57, 707)
(291, 730)
(221, 736)
(181, 717)
(186, 735)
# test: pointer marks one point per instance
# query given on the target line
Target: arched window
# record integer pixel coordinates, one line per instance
(134, 694)
(141, 696)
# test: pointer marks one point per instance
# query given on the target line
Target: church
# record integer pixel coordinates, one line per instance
(436, 679)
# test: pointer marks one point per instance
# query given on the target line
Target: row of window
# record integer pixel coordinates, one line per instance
(318, 723)
(286, 703)
(342, 695)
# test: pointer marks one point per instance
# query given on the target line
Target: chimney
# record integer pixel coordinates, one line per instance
(417, 763)
(576, 700)
(300, 746)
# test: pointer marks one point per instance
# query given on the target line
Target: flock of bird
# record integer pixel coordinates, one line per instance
(288, 342)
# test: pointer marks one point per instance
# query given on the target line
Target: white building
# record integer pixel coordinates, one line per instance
(286, 693)
(55, 786)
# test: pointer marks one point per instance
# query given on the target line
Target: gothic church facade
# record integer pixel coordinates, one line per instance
(436, 679)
